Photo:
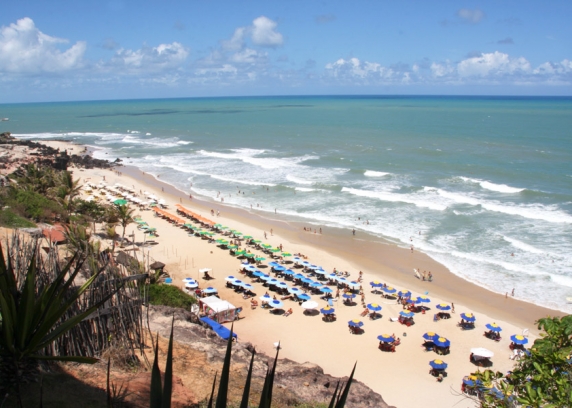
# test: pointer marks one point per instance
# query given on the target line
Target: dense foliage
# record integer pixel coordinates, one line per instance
(543, 378)
(169, 295)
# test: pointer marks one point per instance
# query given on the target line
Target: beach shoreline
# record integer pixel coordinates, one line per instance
(307, 338)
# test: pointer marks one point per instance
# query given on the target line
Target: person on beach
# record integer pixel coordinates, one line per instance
(512, 293)
(353, 231)
(430, 277)
(271, 231)
(265, 237)
(452, 307)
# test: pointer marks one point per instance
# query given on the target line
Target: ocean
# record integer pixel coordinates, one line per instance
(481, 184)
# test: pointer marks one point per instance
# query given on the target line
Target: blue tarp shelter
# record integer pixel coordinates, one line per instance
(219, 328)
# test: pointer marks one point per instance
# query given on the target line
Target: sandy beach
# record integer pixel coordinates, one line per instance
(330, 344)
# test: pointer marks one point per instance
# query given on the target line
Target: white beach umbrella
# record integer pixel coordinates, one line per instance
(162, 202)
(310, 304)
(205, 270)
(482, 352)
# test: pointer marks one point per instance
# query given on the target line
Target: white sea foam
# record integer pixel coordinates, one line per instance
(154, 142)
(371, 173)
(242, 181)
(523, 246)
(249, 156)
(304, 189)
(500, 188)
(147, 134)
(418, 201)
(297, 180)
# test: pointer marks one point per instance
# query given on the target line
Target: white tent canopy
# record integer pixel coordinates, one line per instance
(217, 304)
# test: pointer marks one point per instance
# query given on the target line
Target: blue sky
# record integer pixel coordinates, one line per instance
(120, 49)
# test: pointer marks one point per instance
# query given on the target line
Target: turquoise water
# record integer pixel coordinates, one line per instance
(487, 181)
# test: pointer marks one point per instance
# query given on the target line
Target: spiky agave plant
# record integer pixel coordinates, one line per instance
(33, 314)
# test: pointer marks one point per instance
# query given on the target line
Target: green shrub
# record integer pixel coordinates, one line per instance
(169, 295)
(11, 220)
(32, 205)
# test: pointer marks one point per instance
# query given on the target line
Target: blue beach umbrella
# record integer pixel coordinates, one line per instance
(266, 298)
(493, 327)
(288, 272)
(389, 289)
(374, 307)
(328, 310)
(430, 336)
(279, 268)
(304, 297)
(386, 338)
(210, 289)
(299, 276)
(333, 276)
(237, 282)
(414, 300)
(424, 299)
(320, 271)
(407, 314)
(468, 317)
(442, 342)
(276, 303)
(273, 264)
(307, 280)
(229, 278)
(282, 285)
(438, 364)
(294, 291)
(443, 306)
(325, 289)
(354, 285)
(342, 280)
(355, 323)
(316, 284)
(349, 295)
(258, 274)
(250, 267)
(247, 286)
(404, 293)
(518, 339)
(272, 281)
(265, 277)
(376, 284)
(188, 280)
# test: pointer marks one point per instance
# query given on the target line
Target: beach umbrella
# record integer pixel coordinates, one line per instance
(272, 281)
(482, 352)
(349, 295)
(307, 280)
(282, 285)
(286, 254)
(265, 277)
(188, 280)
(306, 263)
(471, 381)
(230, 278)
(342, 280)
(443, 306)
(232, 247)
(258, 274)
(518, 339)
(374, 307)
(210, 289)
(266, 298)
(279, 268)
(309, 304)
(221, 241)
(120, 202)
(276, 303)
(376, 284)
(240, 252)
(247, 286)
(328, 310)
(389, 289)
(431, 336)
(191, 285)
(407, 314)
(438, 364)
(386, 338)
(237, 282)
(468, 317)
(249, 267)
(274, 250)
(205, 270)
(442, 342)
(299, 276)
(320, 271)
(256, 241)
(355, 323)
(249, 255)
(354, 285)
(273, 264)
(493, 327)
(288, 272)
(303, 296)
(266, 246)
(217, 225)
(259, 258)
(325, 289)
(424, 299)
(294, 291)
(404, 293)
(414, 300)
(316, 284)
(247, 237)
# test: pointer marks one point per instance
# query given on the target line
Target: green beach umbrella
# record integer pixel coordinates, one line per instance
(237, 233)
(120, 202)
(259, 258)
(249, 255)
(247, 237)
(240, 252)
(208, 233)
(232, 246)
(223, 228)
(285, 254)
(274, 250)
(222, 241)
(257, 241)
(266, 246)
(218, 225)
(188, 225)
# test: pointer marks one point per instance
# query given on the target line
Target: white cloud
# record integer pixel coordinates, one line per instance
(164, 56)
(26, 50)
(354, 68)
(492, 64)
(248, 56)
(264, 33)
(471, 16)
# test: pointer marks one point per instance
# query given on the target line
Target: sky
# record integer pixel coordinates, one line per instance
(126, 49)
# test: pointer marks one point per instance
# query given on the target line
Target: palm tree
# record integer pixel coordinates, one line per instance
(125, 215)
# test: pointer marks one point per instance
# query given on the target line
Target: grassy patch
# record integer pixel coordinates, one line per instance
(169, 295)
(11, 220)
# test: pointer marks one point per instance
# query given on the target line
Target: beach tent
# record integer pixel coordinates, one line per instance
(217, 309)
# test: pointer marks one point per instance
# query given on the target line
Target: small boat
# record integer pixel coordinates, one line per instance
(5, 119)
(569, 299)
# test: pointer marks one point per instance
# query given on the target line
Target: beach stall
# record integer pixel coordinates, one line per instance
(217, 309)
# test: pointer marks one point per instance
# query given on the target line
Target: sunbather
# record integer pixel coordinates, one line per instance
(288, 312)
